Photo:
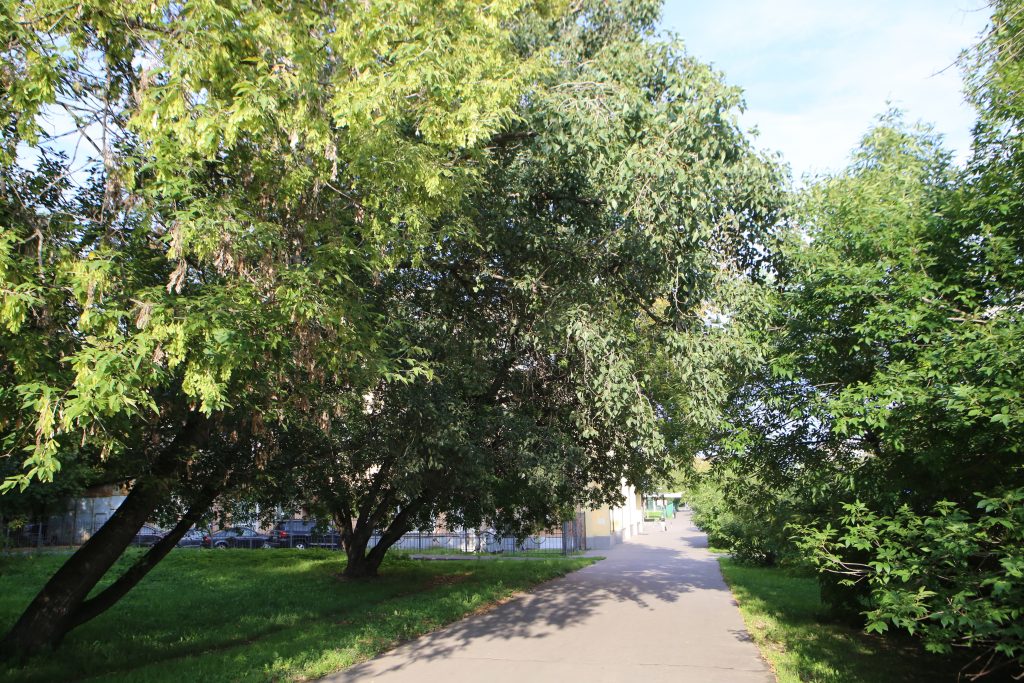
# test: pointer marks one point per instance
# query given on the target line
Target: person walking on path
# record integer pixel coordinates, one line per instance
(656, 609)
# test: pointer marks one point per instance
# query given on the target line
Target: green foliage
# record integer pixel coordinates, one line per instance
(954, 576)
(784, 614)
(753, 530)
(606, 238)
(894, 392)
(388, 260)
(894, 380)
(252, 166)
(274, 182)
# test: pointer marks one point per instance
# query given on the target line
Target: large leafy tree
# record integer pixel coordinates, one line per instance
(255, 167)
(423, 252)
(621, 202)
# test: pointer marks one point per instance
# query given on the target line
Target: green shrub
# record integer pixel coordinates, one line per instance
(753, 529)
(952, 577)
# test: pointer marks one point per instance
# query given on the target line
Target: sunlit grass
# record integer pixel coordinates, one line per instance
(784, 614)
(250, 615)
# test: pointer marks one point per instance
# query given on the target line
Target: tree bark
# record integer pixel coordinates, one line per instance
(364, 565)
(355, 552)
(108, 597)
(360, 567)
(55, 610)
(51, 614)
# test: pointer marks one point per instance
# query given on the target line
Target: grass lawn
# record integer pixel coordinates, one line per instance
(253, 615)
(784, 614)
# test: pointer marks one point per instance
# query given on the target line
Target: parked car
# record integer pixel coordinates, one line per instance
(193, 538)
(292, 533)
(326, 538)
(303, 533)
(148, 535)
(236, 537)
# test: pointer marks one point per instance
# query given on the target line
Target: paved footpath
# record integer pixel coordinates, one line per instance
(656, 610)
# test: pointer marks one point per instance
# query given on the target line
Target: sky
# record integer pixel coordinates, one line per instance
(816, 72)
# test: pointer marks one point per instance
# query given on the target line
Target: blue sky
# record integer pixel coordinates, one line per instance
(815, 73)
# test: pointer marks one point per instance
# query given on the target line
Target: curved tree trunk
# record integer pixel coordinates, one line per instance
(355, 550)
(360, 567)
(363, 564)
(108, 597)
(51, 614)
(62, 603)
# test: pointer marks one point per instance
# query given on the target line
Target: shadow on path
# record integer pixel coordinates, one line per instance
(652, 574)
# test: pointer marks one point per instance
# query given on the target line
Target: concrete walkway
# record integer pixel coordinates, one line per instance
(656, 610)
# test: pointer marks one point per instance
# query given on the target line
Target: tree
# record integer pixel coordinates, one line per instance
(895, 395)
(253, 169)
(620, 203)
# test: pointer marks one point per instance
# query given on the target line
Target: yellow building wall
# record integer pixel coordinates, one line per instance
(608, 526)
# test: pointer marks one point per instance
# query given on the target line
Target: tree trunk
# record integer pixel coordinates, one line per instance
(361, 567)
(56, 609)
(51, 614)
(355, 550)
(364, 565)
(108, 597)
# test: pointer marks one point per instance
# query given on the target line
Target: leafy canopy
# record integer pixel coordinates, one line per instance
(251, 167)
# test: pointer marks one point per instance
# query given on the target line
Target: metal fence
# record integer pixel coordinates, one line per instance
(71, 526)
(51, 532)
(54, 534)
(567, 540)
(57, 532)
(470, 542)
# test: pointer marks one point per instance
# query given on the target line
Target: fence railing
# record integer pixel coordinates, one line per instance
(567, 540)
(553, 542)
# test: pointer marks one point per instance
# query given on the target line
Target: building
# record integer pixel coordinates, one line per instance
(656, 503)
(608, 526)
(83, 516)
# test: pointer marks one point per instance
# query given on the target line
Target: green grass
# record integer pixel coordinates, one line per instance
(783, 613)
(244, 615)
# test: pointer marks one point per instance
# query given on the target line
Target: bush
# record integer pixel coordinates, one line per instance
(752, 529)
(951, 577)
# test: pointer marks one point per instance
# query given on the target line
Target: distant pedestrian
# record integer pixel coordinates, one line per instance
(664, 520)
